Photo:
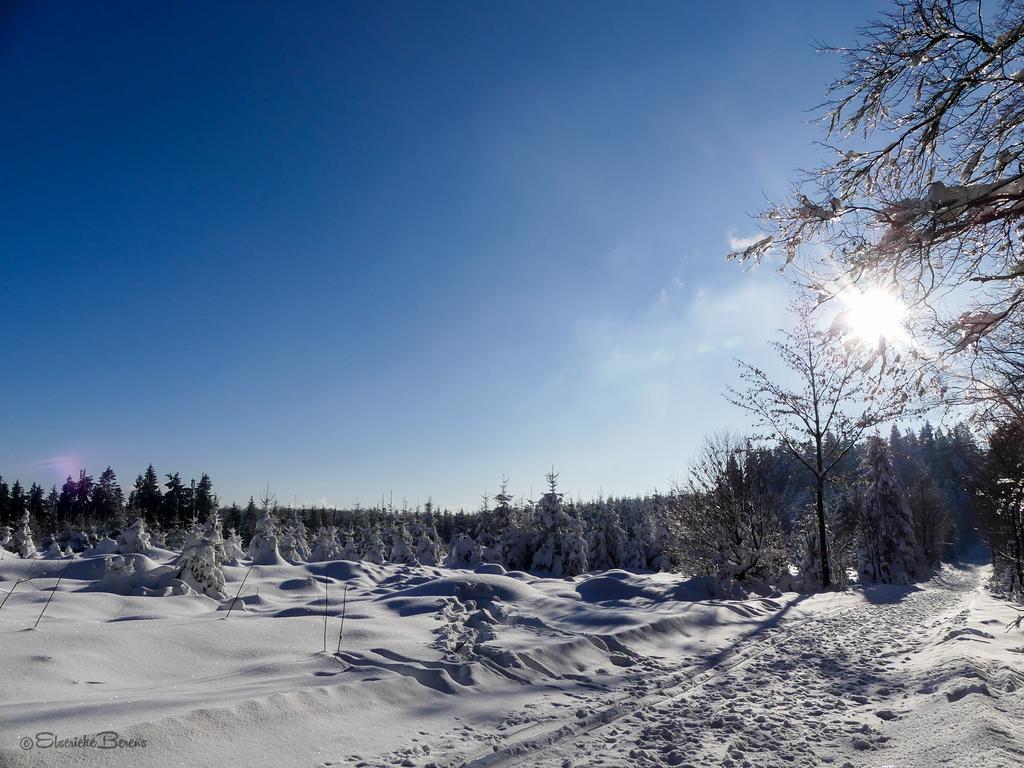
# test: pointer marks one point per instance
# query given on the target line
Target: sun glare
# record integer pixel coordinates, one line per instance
(874, 314)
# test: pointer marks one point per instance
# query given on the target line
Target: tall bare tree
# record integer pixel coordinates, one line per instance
(925, 191)
(836, 398)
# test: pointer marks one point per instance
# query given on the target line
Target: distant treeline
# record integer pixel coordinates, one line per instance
(743, 513)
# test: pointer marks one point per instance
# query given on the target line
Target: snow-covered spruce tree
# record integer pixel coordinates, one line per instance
(180, 536)
(574, 548)
(889, 553)
(106, 504)
(263, 547)
(425, 540)
(294, 539)
(1005, 535)
(560, 548)
(401, 549)
(634, 553)
(660, 536)
(607, 539)
(428, 552)
(326, 546)
(482, 528)
(51, 546)
(494, 526)
(5, 536)
(215, 532)
(517, 548)
(518, 532)
(189, 534)
(80, 540)
(233, 549)
(199, 566)
(286, 546)
(637, 546)
(464, 552)
(349, 548)
(136, 538)
(21, 539)
(1000, 494)
(373, 550)
(930, 506)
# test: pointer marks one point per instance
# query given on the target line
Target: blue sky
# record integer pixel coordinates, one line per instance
(357, 249)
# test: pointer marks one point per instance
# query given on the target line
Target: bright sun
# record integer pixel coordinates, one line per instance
(874, 313)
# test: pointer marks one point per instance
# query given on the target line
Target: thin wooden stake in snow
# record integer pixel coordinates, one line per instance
(344, 604)
(16, 583)
(51, 595)
(232, 606)
(327, 581)
(10, 592)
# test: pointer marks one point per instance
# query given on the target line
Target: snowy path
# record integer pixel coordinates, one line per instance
(826, 690)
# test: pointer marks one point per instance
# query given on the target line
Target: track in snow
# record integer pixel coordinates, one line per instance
(787, 700)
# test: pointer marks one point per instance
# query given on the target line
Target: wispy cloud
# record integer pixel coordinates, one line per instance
(683, 325)
(63, 466)
(657, 378)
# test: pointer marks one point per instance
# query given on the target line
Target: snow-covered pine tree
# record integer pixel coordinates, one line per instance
(373, 551)
(486, 532)
(517, 548)
(660, 536)
(632, 515)
(51, 546)
(233, 550)
(301, 535)
(889, 553)
(286, 546)
(634, 553)
(574, 549)
(425, 540)
(79, 541)
(136, 538)
(199, 565)
(464, 552)
(215, 533)
(183, 534)
(326, 546)
(263, 547)
(21, 539)
(560, 548)
(349, 549)
(401, 549)
(494, 526)
(607, 539)
(295, 539)
(190, 534)
(519, 537)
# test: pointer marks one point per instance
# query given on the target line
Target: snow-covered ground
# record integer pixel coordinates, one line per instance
(448, 667)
